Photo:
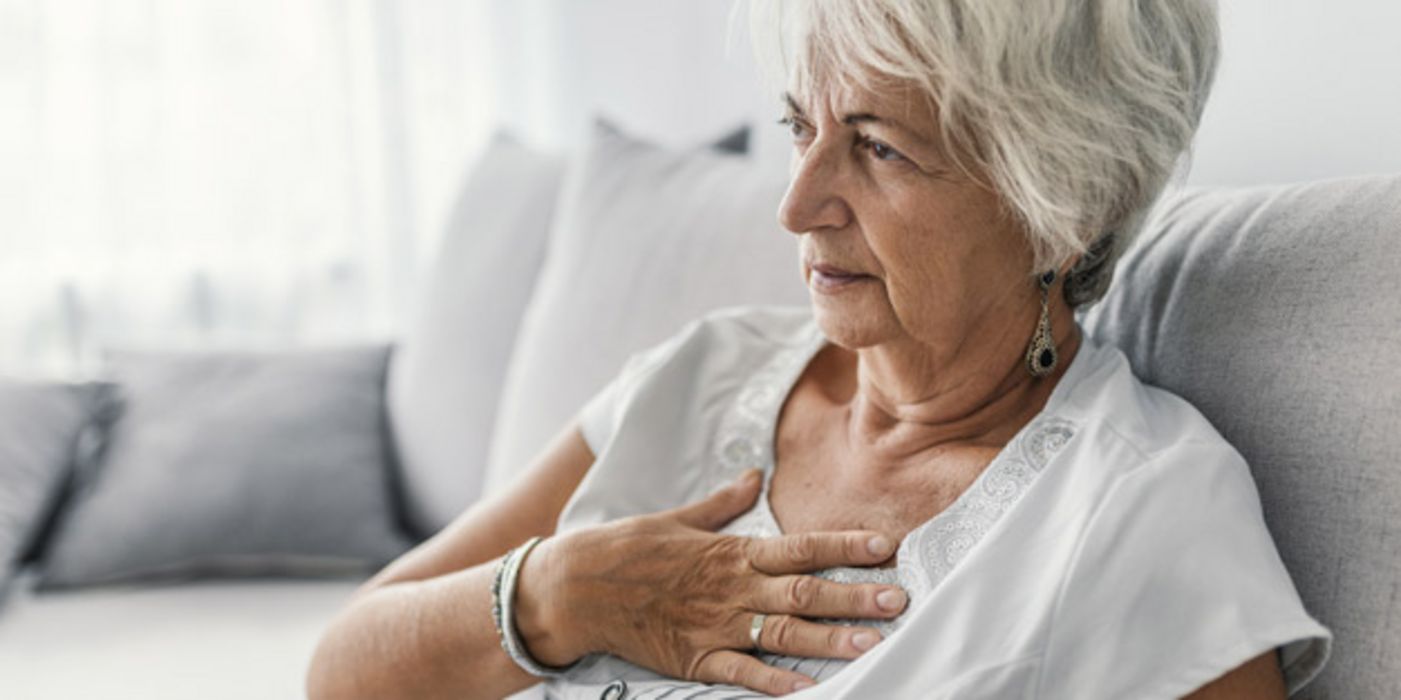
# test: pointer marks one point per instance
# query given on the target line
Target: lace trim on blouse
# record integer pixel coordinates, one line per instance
(932, 550)
(744, 439)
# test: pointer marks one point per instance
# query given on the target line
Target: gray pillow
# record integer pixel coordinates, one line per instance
(39, 429)
(736, 142)
(645, 239)
(448, 370)
(234, 464)
(1276, 311)
(446, 375)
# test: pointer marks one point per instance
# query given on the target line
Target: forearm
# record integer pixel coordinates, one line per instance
(417, 639)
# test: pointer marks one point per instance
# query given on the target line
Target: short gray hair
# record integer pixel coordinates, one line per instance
(1076, 111)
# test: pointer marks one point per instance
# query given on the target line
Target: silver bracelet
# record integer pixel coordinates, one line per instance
(503, 594)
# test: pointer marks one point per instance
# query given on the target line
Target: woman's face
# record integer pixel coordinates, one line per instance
(872, 194)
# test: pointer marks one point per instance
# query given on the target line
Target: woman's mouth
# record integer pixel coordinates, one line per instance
(829, 280)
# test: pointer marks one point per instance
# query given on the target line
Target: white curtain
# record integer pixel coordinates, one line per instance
(225, 173)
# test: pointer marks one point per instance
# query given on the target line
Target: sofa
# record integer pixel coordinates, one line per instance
(1273, 309)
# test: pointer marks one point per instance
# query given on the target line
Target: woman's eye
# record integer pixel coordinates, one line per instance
(880, 150)
(795, 127)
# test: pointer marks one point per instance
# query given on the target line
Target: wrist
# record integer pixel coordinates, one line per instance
(540, 608)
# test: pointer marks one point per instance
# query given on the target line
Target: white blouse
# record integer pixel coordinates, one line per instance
(1115, 548)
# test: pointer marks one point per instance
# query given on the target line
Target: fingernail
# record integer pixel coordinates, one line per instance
(863, 640)
(878, 545)
(890, 599)
(801, 685)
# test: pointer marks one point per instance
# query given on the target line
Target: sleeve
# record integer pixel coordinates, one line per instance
(601, 414)
(1177, 581)
(599, 417)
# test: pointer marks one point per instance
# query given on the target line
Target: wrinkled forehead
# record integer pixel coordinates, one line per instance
(878, 95)
(885, 102)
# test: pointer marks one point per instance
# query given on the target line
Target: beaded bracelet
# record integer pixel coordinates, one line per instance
(503, 593)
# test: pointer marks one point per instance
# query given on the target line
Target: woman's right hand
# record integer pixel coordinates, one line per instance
(666, 592)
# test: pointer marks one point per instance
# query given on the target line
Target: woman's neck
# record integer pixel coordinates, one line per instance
(904, 406)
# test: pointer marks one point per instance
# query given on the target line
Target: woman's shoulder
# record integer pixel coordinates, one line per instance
(762, 324)
(1173, 558)
(652, 428)
(727, 339)
(705, 358)
(1131, 415)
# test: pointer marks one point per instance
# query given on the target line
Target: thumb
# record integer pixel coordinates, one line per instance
(713, 511)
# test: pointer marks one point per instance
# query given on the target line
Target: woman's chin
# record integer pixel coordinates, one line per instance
(849, 325)
(859, 300)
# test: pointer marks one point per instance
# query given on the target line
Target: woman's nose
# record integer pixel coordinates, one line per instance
(813, 200)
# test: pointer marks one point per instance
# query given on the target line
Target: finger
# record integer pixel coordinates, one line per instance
(812, 551)
(810, 596)
(713, 511)
(734, 668)
(794, 636)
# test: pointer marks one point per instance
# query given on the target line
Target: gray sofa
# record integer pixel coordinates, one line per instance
(1277, 312)
(1274, 310)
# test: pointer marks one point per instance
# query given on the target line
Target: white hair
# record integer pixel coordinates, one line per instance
(1075, 111)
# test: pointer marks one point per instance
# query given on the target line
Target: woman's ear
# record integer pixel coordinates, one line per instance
(1073, 262)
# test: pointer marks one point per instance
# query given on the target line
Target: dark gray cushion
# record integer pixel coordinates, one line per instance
(234, 464)
(39, 428)
(1277, 312)
(736, 141)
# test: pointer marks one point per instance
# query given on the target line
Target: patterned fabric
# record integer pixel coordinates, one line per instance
(929, 552)
(926, 555)
(1118, 518)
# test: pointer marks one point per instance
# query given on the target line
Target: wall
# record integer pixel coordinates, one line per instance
(1306, 89)
(663, 68)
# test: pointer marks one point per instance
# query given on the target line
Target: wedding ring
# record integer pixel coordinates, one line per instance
(756, 628)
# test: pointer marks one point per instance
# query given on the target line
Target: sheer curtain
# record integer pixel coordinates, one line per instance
(208, 173)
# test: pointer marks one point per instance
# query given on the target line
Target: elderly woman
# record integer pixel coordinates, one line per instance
(931, 483)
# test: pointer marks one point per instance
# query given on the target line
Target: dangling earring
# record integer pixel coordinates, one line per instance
(1041, 354)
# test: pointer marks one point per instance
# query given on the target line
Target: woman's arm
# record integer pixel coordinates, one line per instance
(664, 591)
(420, 628)
(1256, 679)
(489, 528)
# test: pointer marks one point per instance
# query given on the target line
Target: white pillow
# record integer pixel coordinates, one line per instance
(645, 239)
(447, 371)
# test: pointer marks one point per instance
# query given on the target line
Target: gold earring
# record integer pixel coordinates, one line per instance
(1041, 354)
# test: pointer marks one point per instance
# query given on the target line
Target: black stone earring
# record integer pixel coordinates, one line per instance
(1041, 354)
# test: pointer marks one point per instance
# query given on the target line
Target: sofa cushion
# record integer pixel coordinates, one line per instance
(1276, 311)
(447, 372)
(39, 429)
(212, 640)
(446, 375)
(645, 239)
(233, 464)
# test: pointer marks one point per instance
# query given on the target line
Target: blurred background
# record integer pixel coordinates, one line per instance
(263, 173)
